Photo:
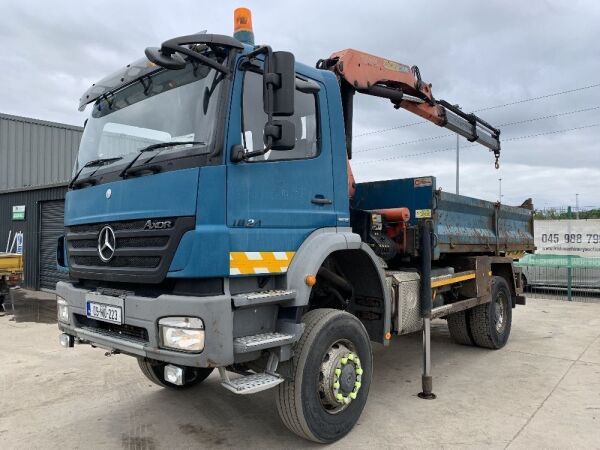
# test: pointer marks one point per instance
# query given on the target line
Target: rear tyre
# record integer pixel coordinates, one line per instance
(155, 372)
(458, 325)
(490, 323)
(3, 291)
(524, 284)
(331, 368)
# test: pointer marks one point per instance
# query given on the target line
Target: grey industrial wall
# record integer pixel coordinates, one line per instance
(30, 226)
(35, 152)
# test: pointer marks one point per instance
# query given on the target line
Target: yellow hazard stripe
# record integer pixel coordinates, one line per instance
(250, 263)
(452, 280)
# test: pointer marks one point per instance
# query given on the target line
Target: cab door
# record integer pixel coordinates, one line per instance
(274, 201)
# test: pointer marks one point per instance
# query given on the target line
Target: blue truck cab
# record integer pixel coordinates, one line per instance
(209, 224)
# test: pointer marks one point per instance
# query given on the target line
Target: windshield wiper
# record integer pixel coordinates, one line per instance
(153, 147)
(92, 163)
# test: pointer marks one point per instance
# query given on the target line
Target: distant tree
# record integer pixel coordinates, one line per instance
(563, 213)
(590, 214)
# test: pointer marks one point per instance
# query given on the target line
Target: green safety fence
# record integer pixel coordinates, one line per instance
(558, 261)
(572, 278)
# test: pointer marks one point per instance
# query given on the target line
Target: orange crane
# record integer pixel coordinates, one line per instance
(402, 85)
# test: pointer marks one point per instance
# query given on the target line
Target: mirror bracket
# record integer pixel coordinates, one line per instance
(273, 79)
(279, 135)
(239, 153)
(171, 53)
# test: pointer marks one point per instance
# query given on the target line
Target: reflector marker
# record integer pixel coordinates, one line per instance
(250, 263)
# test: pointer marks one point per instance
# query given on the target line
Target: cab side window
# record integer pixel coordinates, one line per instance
(254, 119)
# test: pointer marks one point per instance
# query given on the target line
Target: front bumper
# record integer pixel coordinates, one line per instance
(144, 313)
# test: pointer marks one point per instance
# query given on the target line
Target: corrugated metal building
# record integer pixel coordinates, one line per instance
(36, 162)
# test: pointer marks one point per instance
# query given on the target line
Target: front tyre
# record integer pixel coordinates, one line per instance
(155, 372)
(331, 369)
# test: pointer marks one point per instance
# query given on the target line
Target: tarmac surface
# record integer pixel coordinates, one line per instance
(541, 391)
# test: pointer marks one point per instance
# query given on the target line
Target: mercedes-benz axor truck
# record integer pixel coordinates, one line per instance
(213, 222)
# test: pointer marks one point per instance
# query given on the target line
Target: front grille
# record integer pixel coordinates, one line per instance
(127, 225)
(131, 242)
(85, 243)
(136, 242)
(140, 255)
(143, 262)
(127, 332)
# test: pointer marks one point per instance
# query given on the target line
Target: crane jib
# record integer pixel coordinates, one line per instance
(372, 75)
(471, 127)
(472, 131)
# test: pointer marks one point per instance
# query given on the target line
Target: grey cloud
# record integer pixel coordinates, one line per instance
(476, 54)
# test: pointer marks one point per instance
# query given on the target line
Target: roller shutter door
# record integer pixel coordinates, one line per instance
(52, 227)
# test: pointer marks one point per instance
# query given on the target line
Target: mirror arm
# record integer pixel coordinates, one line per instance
(272, 80)
(239, 152)
(259, 51)
(248, 155)
(168, 49)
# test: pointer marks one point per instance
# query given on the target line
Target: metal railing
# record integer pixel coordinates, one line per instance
(569, 278)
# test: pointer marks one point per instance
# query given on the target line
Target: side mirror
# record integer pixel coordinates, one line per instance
(281, 134)
(279, 84)
(279, 88)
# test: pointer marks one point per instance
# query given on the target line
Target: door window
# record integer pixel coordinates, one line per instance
(254, 119)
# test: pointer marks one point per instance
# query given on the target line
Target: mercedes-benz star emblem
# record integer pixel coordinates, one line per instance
(107, 243)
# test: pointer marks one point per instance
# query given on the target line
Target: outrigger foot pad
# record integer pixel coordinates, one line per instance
(427, 384)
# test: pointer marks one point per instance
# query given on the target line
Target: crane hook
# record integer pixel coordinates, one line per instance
(497, 156)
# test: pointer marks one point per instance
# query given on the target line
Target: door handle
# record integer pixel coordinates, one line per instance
(321, 200)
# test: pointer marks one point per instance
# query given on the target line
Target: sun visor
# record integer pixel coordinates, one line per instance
(122, 77)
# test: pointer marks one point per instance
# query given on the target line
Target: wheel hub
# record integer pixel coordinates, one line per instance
(340, 377)
(347, 379)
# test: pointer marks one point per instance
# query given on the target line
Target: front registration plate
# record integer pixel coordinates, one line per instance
(106, 313)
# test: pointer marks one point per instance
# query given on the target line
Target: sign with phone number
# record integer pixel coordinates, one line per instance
(568, 237)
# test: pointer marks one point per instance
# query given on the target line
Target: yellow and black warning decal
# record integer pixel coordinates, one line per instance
(249, 263)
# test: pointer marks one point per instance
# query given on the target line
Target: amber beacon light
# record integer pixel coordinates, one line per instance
(242, 26)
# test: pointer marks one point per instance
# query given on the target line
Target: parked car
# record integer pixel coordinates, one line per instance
(553, 271)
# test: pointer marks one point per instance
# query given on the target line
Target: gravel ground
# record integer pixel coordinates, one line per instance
(541, 391)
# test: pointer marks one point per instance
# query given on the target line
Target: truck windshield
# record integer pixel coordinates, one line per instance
(171, 105)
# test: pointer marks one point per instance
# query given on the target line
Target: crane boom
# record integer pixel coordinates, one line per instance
(403, 86)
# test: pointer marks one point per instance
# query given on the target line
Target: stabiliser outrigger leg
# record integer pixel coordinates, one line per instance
(426, 305)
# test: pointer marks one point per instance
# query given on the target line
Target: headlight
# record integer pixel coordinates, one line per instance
(182, 333)
(62, 310)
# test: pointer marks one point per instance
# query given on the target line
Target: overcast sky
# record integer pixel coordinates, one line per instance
(476, 54)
